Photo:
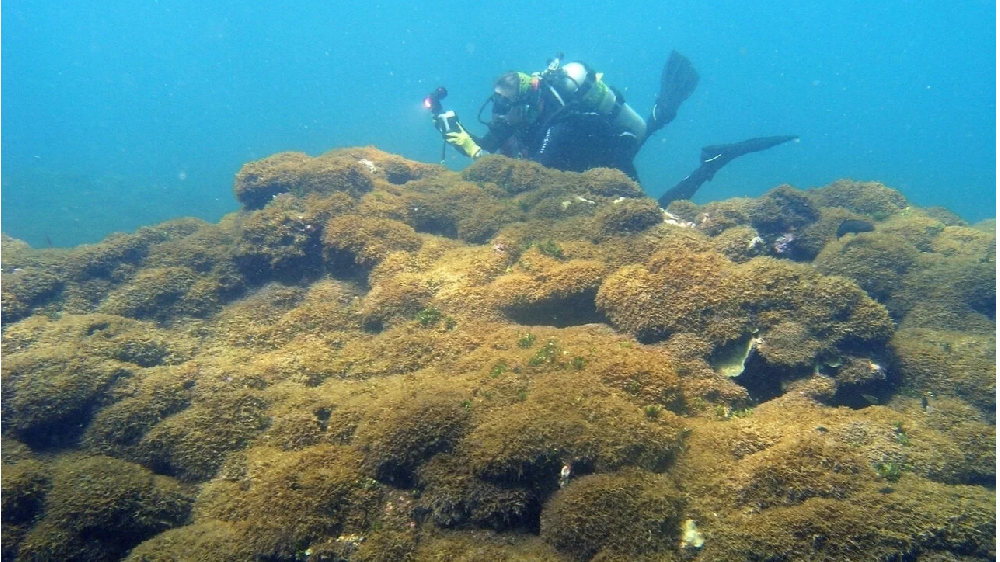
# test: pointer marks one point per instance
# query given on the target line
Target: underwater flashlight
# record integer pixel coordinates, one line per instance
(444, 121)
(433, 100)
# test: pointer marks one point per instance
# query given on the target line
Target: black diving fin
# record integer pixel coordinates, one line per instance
(713, 158)
(677, 83)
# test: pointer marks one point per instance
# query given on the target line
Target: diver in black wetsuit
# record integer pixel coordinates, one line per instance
(567, 118)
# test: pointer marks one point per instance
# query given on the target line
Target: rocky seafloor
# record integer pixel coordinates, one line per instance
(382, 360)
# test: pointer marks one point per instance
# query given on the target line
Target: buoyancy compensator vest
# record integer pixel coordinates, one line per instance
(575, 85)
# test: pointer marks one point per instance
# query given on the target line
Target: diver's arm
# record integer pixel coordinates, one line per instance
(473, 146)
(494, 138)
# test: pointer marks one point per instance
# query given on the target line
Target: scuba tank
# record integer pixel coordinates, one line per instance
(578, 84)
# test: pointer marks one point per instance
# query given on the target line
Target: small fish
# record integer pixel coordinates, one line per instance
(870, 398)
(854, 226)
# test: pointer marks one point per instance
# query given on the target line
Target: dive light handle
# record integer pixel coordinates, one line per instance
(446, 122)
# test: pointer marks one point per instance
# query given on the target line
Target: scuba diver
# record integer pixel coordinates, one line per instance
(568, 118)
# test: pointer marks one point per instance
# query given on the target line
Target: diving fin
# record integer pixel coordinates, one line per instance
(713, 158)
(724, 153)
(677, 83)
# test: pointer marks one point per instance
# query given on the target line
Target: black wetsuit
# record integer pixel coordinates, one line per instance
(571, 139)
(565, 139)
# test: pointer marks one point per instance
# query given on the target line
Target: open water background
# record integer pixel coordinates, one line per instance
(121, 114)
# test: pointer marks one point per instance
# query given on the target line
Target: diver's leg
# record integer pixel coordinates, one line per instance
(687, 187)
(713, 158)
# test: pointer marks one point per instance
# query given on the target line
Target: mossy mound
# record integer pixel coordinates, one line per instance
(618, 516)
(593, 427)
(50, 394)
(98, 508)
(212, 540)
(378, 359)
(367, 241)
(24, 487)
(280, 502)
(24, 288)
(628, 215)
(848, 477)
(410, 430)
(352, 171)
(685, 290)
(783, 209)
(876, 263)
(542, 289)
(871, 199)
(948, 363)
(191, 444)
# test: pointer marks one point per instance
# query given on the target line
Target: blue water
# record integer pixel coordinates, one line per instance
(118, 115)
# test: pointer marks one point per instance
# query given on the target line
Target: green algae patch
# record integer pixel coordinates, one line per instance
(378, 359)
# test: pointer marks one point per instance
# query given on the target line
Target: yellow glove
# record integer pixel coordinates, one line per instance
(463, 142)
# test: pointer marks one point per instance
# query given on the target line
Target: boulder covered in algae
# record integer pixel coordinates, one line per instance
(378, 359)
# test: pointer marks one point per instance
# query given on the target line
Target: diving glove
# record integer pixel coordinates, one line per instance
(463, 142)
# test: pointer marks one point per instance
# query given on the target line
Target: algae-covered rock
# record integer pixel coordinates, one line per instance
(513, 176)
(945, 362)
(281, 240)
(876, 261)
(191, 444)
(24, 487)
(284, 501)
(24, 288)
(624, 515)
(628, 215)
(593, 427)
(543, 289)
(781, 210)
(681, 290)
(378, 359)
(212, 540)
(49, 395)
(351, 171)
(872, 199)
(367, 241)
(157, 393)
(101, 335)
(792, 470)
(740, 243)
(473, 212)
(409, 430)
(99, 508)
